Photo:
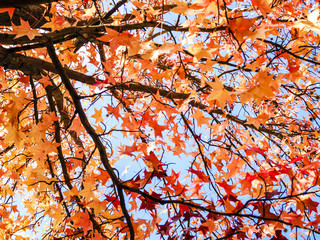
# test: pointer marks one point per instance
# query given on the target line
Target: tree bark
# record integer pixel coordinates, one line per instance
(32, 14)
(22, 3)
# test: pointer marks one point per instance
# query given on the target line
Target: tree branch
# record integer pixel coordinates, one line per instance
(94, 32)
(33, 66)
(34, 15)
(208, 209)
(85, 122)
(22, 3)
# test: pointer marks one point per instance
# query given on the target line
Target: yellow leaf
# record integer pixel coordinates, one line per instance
(14, 136)
(182, 7)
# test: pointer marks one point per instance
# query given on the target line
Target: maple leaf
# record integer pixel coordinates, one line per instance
(49, 118)
(269, 173)
(184, 209)
(219, 93)
(97, 115)
(24, 30)
(241, 27)
(188, 235)
(195, 190)
(147, 203)
(114, 111)
(158, 129)
(263, 5)
(182, 7)
(227, 188)
(247, 181)
(103, 177)
(201, 119)
(153, 159)
(89, 12)
(77, 126)
(151, 66)
(82, 219)
(71, 193)
(294, 218)
(272, 194)
(14, 136)
(24, 79)
(43, 148)
(97, 236)
(255, 149)
(259, 120)
(209, 225)
(173, 178)
(9, 10)
(129, 150)
(56, 21)
(279, 236)
(114, 200)
(310, 167)
(306, 203)
(200, 175)
(46, 81)
(233, 167)
(316, 222)
(111, 34)
(165, 228)
(117, 39)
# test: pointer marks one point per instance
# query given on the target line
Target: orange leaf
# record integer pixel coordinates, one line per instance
(263, 5)
(45, 81)
(24, 29)
(219, 93)
(97, 115)
(9, 10)
(82, 219)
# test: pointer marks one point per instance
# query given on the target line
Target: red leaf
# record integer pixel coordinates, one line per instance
(24, 79)
(165, 228)
(153, 159)
(269, 173)
(184, 208)
(147, 203)
(226, 187)
(255, 149)
(114, 200)
(279, 236)
(200, 175)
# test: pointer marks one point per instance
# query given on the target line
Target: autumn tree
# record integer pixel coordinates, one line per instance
(164, 119)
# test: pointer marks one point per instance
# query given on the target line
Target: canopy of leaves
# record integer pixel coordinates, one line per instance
(161, 119)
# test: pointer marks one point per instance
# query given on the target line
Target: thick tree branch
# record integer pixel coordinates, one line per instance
(34, 66)
(94, 32)
(22, 3)
(238, 173)
(34, 15)
(62, 159)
